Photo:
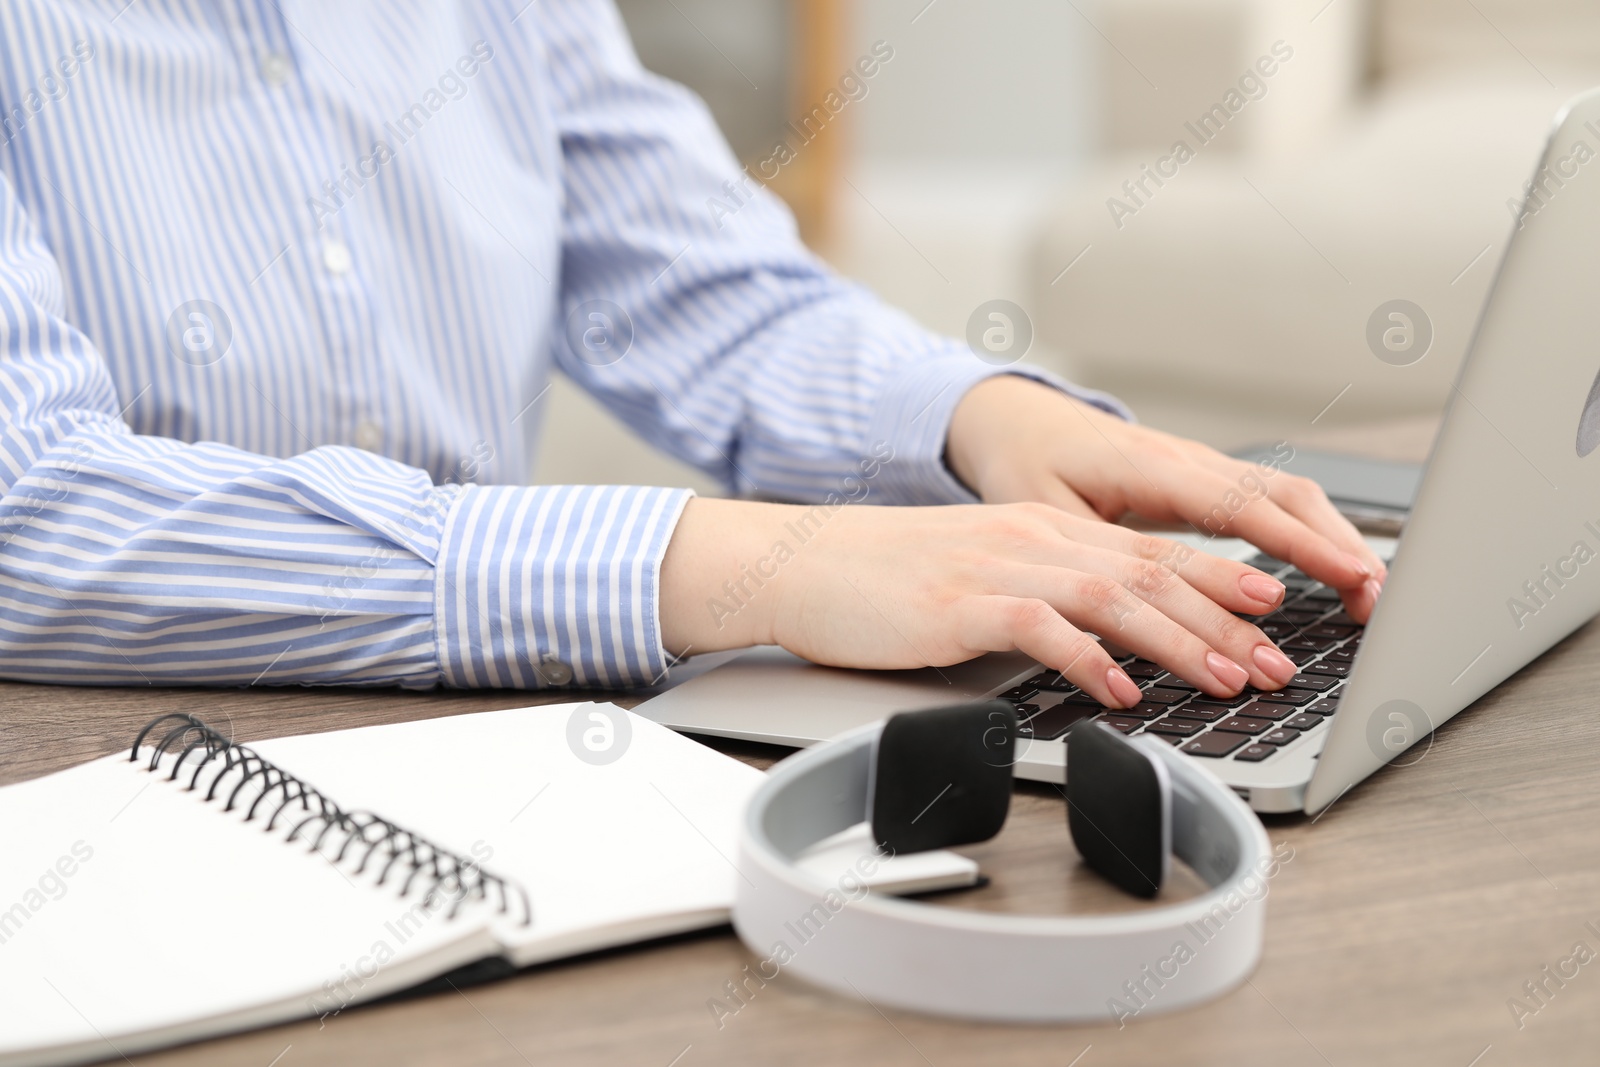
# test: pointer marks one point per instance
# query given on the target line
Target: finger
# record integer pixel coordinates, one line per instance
(1033, 627)
(1236, 586)
(1168, 592)
(1307, 501)
(1101, 604)
(1221, 509)
(1358, 603)
(1162, 618)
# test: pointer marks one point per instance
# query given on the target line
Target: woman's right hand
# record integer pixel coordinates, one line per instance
(892, 587)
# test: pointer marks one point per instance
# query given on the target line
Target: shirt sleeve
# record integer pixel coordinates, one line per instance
(129, 559)
(716, 334)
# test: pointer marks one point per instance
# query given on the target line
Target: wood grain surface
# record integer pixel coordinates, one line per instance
(1410, 913)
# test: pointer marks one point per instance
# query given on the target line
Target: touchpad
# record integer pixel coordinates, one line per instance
(767, 694)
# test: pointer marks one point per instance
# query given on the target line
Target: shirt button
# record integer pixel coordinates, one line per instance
(554, 672)
(336, 257)
(276, 69)
(369, 435)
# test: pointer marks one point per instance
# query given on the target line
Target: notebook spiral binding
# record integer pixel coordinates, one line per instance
(443, 871)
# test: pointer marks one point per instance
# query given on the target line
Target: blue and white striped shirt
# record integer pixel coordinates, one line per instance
(282, 283)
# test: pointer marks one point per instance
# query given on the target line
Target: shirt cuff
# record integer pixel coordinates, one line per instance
(913, 420)
(551, 586)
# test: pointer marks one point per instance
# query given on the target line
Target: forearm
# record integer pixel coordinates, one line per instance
(722, 572)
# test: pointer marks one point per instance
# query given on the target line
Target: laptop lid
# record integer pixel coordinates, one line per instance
(1500, 558)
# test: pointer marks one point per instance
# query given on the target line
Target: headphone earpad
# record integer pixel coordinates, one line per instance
(942, 777)
(1119, 808)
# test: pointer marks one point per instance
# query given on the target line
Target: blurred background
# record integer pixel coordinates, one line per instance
(1336, 155)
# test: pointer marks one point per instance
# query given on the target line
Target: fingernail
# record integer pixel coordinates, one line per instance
(1260, 588)
(1357, 565)
(1122, 687)
(1226, 671)
(1373, 588)
(1274, 664)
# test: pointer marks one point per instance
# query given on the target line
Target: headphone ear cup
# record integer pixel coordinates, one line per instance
(942, 777)
(1119, 808)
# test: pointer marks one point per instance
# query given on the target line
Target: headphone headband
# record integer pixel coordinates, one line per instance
(983, 965)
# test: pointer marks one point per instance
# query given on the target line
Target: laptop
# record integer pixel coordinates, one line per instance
(1498, 560)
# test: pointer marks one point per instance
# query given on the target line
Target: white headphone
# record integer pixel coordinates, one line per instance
(937, 778)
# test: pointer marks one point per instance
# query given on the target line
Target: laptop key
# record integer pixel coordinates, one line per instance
(1051, 680)
(1143, 668)
(1167, 695)
(1303, 722)
(1316, 644)
(1322, 592)
(1200, 711)
(1326, 706)
(1277, 629)
(1175, 728)
(1294, 697)
(1213, 745)
(1172, 681)
(1331, 668)
(1255, 753)
(1051, 723)
(1337, 633)
(1018, 693)
(1280, 736)
(1117, 722)
(1313, 681)
(1236, 725)
(1145, 712)
(1263, 709)
(1300, 616)
(1117, 652)
(1299, 656)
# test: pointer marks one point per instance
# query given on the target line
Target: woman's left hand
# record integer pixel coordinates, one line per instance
(1013, 439)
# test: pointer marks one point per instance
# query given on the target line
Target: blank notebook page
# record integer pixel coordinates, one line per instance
(610, 852)
(176, 916)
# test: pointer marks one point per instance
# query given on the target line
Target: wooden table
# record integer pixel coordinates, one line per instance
(1412, 911)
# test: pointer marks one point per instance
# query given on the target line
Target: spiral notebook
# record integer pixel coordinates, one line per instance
(203, 886)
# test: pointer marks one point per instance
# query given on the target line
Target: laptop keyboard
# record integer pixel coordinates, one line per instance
(1311, 628)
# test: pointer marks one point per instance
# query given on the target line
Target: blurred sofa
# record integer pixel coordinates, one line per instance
(1381, 158)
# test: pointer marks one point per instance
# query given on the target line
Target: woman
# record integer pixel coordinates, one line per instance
(279, 301)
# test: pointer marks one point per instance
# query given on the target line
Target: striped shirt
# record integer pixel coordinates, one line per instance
(282, 285)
